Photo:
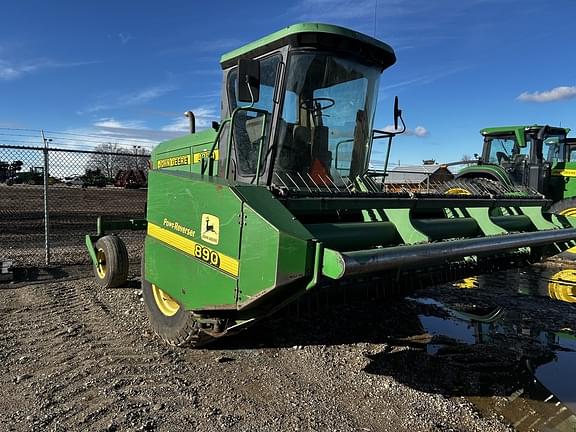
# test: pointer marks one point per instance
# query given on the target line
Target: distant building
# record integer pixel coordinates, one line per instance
(417, 177)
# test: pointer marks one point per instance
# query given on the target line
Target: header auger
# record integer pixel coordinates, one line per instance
(278, 198)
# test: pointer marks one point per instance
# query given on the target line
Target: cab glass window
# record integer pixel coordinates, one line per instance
(248, 126)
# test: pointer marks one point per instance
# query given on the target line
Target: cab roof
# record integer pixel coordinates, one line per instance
(518, 131)
(326, 36)
(501, 130)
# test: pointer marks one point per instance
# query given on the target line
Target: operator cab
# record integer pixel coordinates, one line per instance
(301, 104)
(526, 153)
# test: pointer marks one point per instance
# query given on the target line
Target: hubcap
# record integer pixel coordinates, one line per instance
(101, 263)
(167, 305)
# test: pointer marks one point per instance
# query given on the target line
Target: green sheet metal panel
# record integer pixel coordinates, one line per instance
(562, 183)
(490, 171)
(260, 243)
(178, 159)
(178, 154)
(270, 257)
(194, 285)
(199, 221)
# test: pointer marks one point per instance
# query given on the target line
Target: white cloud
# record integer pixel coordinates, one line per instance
(203, 115)
(426, 78)
(145, 95)
(131, 130)
(10, 70)
(125, 38)
(556, 94)
(117, 124)
(418, 131)
(130, 99)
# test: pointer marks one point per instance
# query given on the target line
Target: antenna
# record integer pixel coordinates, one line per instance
(375, 15)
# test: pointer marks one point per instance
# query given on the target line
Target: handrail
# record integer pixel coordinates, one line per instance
(229, 149)
(336, 150)
(220, 129)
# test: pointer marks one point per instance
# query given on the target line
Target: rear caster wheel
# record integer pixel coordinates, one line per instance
(111, 269)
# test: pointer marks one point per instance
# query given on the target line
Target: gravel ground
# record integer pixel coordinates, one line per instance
(75, 357)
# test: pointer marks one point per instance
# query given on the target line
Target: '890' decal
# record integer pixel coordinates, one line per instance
(227, 264)
(205, 254)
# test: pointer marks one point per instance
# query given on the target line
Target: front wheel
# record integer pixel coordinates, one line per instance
(168, 319)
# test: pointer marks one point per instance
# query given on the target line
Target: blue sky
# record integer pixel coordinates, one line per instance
(133, 68)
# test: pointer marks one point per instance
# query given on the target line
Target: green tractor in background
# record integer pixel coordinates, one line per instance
(537, 158)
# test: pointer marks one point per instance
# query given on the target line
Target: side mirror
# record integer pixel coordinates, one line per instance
(397, 113)
(248, 86)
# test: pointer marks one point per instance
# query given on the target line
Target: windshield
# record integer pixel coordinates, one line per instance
(554, 148)
(324, 131)
(505, 149)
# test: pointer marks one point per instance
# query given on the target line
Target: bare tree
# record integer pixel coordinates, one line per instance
(140, 159)
(109, 159)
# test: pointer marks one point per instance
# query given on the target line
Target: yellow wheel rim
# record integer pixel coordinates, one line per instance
(467, 283)
(569, 212)
(101, 263)
(167, 305)
(458, 191)
(562, 286)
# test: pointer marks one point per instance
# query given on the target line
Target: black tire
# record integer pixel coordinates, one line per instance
(566, 207)
(9, 182)
(179, 329)
(112, 268)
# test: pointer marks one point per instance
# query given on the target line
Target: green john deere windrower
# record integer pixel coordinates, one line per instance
(278, 198)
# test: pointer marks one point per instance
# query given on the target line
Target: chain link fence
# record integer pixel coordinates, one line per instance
(53, 186)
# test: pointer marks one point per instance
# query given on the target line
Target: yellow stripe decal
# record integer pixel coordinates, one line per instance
(560, 172)
(204, 254)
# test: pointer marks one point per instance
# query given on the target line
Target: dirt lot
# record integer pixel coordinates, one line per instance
(74, 357)
(72, 215)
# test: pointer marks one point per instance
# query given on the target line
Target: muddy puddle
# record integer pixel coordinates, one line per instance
(512, 340)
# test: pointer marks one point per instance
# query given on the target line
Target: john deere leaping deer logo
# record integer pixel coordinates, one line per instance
(210, 231)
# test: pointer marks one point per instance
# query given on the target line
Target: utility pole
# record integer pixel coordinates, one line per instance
(46, 222)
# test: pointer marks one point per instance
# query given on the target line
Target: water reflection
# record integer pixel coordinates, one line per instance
(516, 329)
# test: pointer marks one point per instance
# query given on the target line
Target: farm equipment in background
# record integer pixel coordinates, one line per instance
(278, 199)
(538, 158)
(33, 177)
(8, 170)
(93, 178)
(131, 179)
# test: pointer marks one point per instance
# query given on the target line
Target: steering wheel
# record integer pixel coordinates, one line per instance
(315, 104)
